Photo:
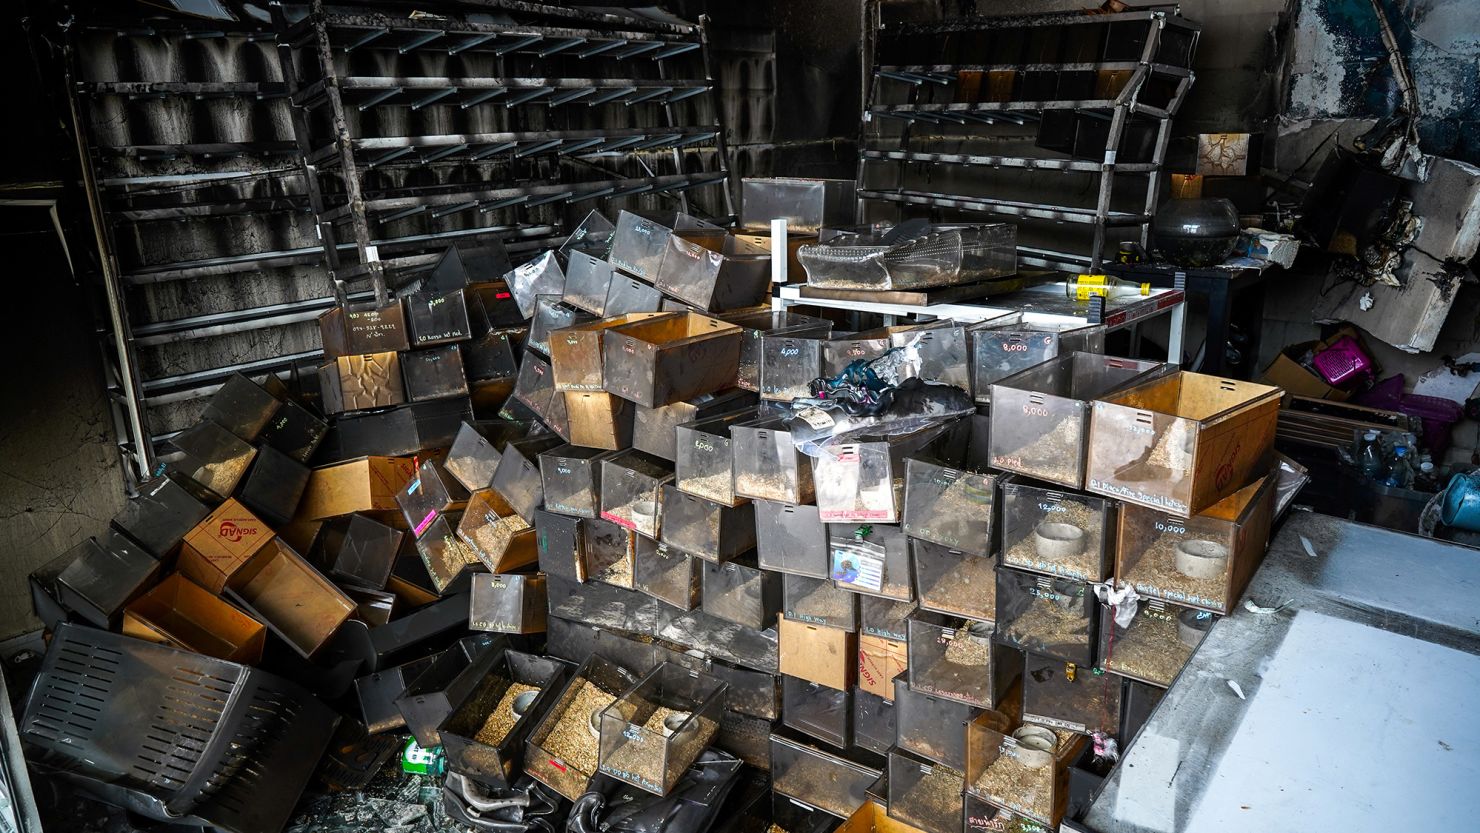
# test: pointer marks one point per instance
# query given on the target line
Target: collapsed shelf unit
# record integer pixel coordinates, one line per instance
(244, 176)
(980, 116)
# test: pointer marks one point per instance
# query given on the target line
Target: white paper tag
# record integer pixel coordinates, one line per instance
(817, 418)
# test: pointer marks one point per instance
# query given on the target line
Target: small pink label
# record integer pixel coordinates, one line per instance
(425, 522)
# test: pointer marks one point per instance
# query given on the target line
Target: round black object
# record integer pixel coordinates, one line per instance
(1199, 232)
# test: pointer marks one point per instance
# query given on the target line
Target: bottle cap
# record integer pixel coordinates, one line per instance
(1371, 435)
(1426, 466)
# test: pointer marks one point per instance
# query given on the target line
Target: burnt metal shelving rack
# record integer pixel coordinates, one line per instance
(978, 116)
(243, 176)
(544, 114)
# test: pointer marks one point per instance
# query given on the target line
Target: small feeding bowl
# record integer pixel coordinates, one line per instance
(1200, 559)
(523, 701)
(976, 494)
(1055, 541)
(594, 724)
(673, 725)
(645, 514)
(1035, 746)
(1192, 626)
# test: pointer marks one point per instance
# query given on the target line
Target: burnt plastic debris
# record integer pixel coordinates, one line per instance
(612, 806)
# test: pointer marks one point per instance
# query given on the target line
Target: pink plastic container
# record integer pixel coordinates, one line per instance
(1343, 362)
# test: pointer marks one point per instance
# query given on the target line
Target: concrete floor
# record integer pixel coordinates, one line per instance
(59, 472)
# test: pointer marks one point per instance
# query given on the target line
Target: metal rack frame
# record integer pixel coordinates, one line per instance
(1120, 311)
(321, 186)
(329, 30)
(1118, 111)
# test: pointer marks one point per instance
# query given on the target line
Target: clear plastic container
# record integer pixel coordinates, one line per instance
(886, 618)
(367, 552)
(843, 349)
(535, 389)
(929, 727)
(1203, 561)
(998, 352)
(856, 482)
(948, 506)
(740, 592)
(440, 319)
(768, 465)
(558, 545)
(484, 736)
(1025, 771)
(818, 711)
(587, 280)
(829, 782)
(1056, 533)
(817, 602)
(448, 560)
(1155, 643)
(430, 493)
(895, 581)
(212, 457)
(657, 728)
(654, 429)
(944, 255)
(576, 351)
(937, 353)
(571, 477)
(788, 366)
(705, 466)
(639, 243)
(759, 326)
(242, 407)
(514, 603)
(807, 205)
(498, 537)
(669, 575)
(873, 722)
(955, 659)
(791, 539)
(473, 457)
(714, 270)
(541, 276)
(517, 478)
(1040, 417)
(628, 295)
(551, 315)
(711, 531)
(1181, 443)
(593, 238)
(1056, 617)
(1063, 695)
(955, 582)
(631, 491)
(564, 747)
(752, 692)
(925, 795)
(670, 358)
(609, 553)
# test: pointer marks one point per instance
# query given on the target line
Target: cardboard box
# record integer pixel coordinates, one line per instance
(599, 420)
(826, 656)
(222, 544)
(1288, 373)
(880, 660)
(285, 592)
(180, 613)
(366, 484)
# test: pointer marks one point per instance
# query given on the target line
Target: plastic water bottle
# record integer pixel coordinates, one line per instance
(1400, 473)
(1371, 456)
